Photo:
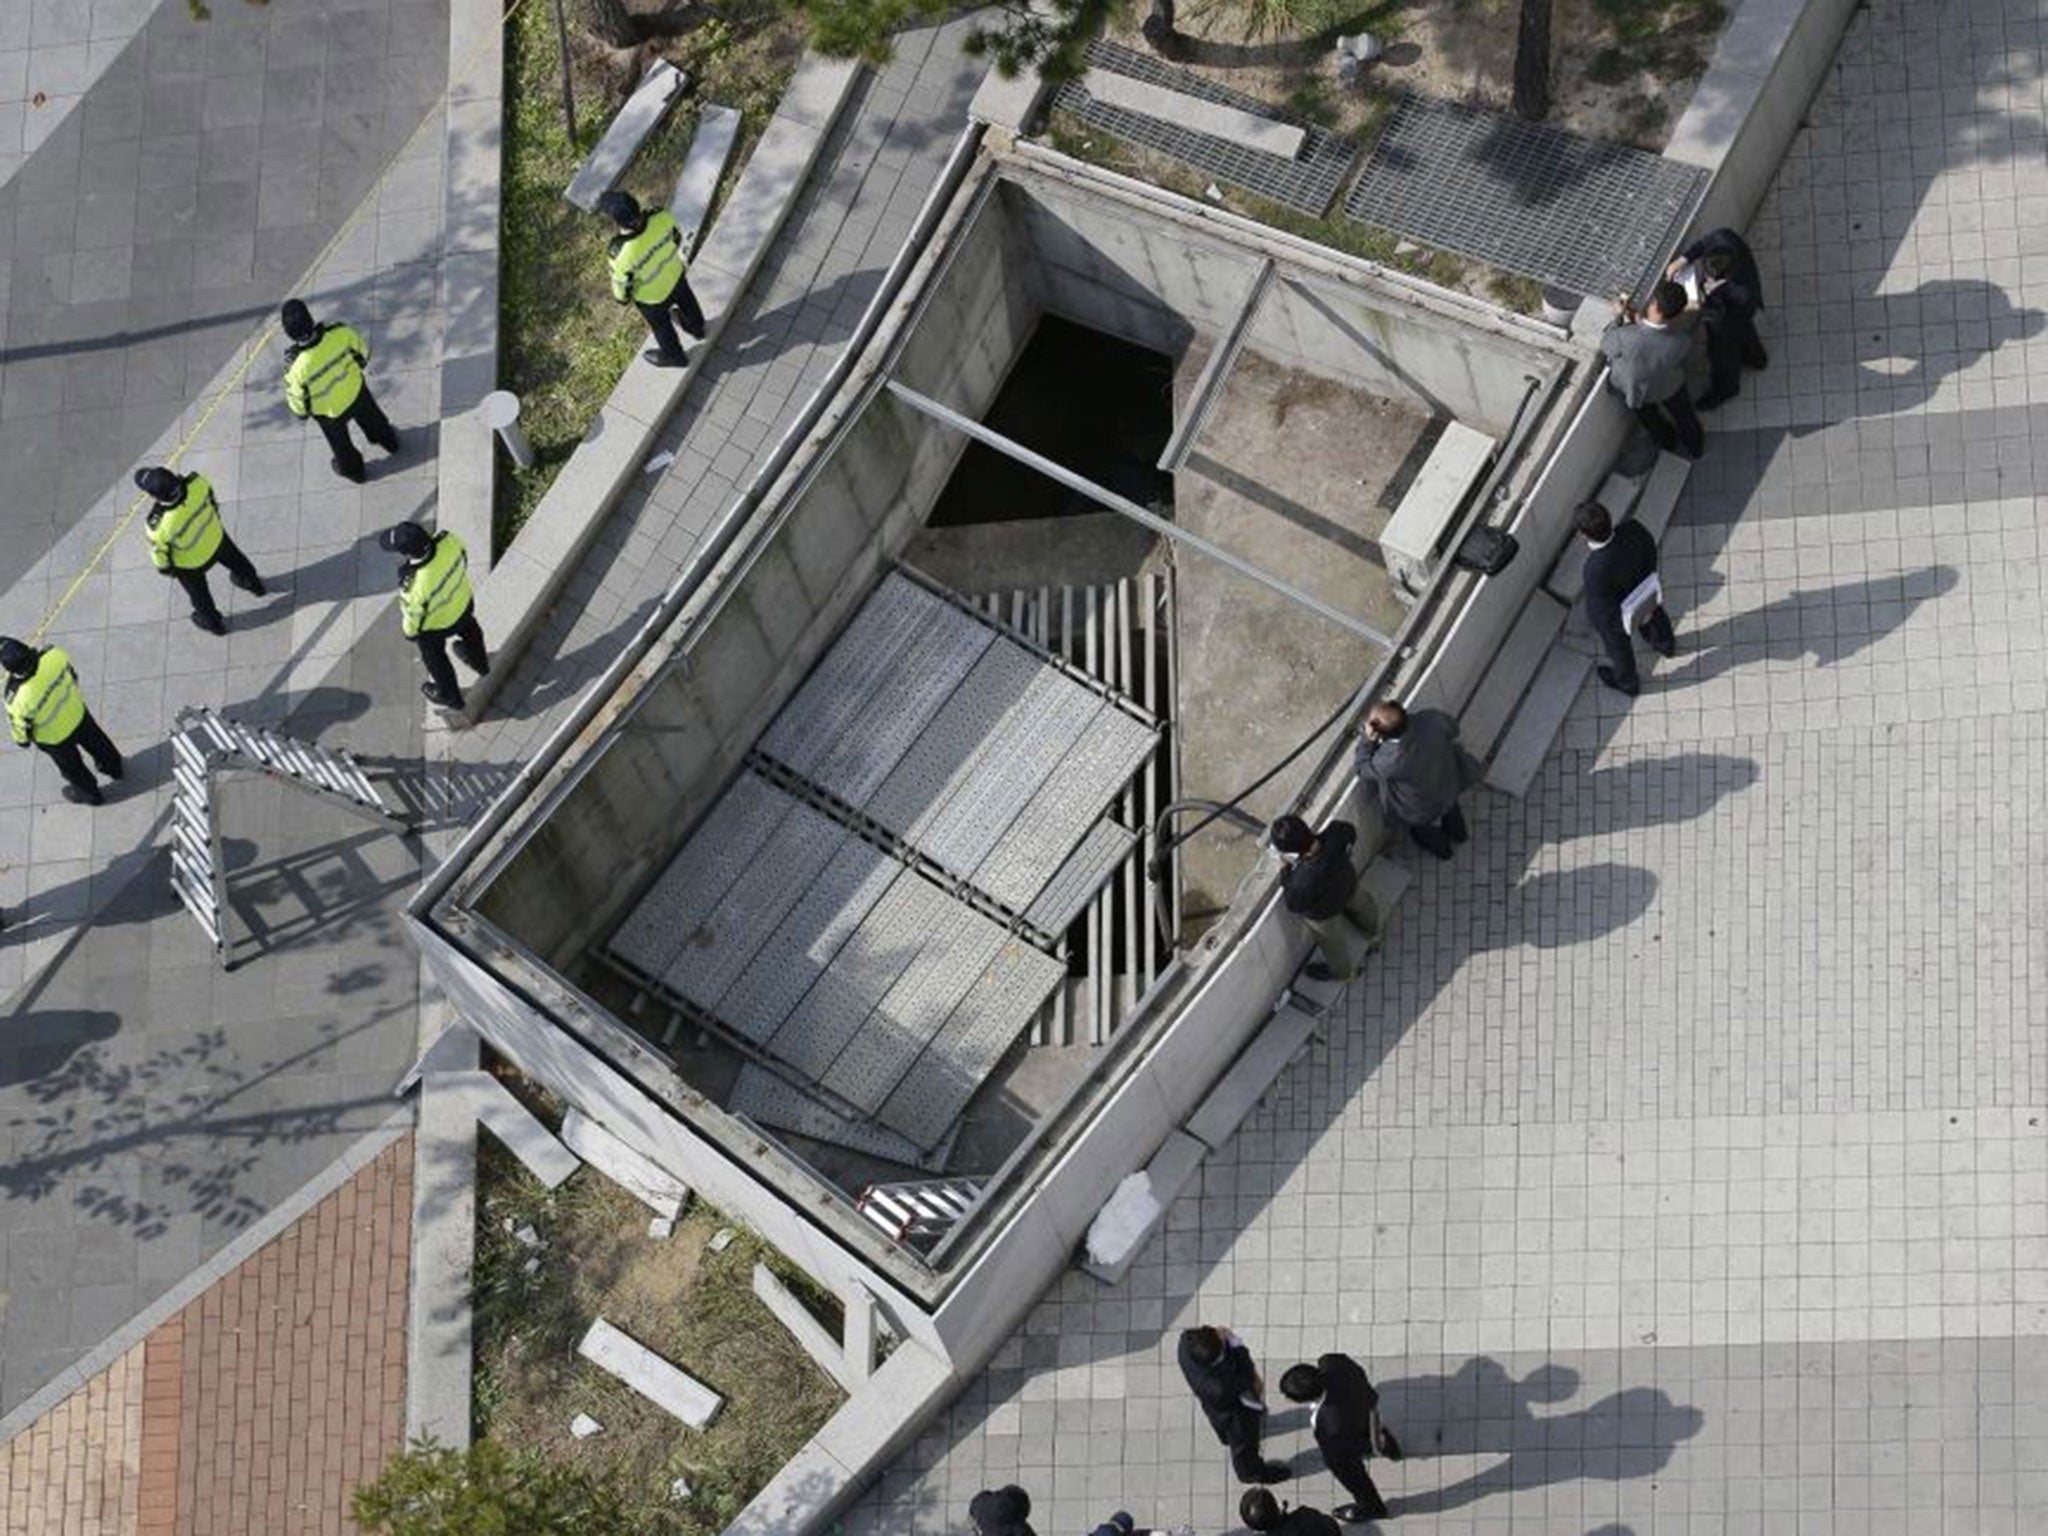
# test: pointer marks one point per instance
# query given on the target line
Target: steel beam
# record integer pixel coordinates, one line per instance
(1210, 384)
(925, 405)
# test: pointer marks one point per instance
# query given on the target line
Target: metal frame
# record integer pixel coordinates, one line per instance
(1210, 384)
(925, 405)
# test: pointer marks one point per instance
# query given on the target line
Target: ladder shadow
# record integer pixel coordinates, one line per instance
(289, 899)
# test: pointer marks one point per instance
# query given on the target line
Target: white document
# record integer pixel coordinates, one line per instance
(1648, 594)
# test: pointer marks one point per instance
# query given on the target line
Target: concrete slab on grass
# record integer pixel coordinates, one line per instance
(718, 134)
(644, 1179)
(488, 1100)
(815, 1337)
(1194, 114)
(658, 91)
(613, 1350)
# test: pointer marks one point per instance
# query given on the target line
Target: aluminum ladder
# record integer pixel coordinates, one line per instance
(920, 1208)
(206, 742)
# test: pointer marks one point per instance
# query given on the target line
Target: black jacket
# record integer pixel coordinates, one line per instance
(1318, 885)
(1742, 294)
(1222, 1388)
(1303, 1521)
(1613, 571)
(1343, 1419)
(1001, 1512)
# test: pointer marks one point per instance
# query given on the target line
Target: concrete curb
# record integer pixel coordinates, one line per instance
(245, 1246)
(467, 471)
(514, 599)
(439, 1355)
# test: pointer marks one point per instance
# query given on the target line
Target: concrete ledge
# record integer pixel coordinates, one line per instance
(816, 1339)
(853, 1446)
(1527, 743)
(1506, 680)
(1241, 1088)
(465, 468)
(514, 599)
(484, 1098)
(439, 1357)
(639, 1176)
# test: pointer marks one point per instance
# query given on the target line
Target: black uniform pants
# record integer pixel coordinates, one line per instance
(468, 638)
(1732, 345)
(200, 591)
(1439, 836)
(365, 413)
(1347, 1465)
(69, 755)
(1241, 1431)
(684, 303)
(1621, 646)
(1674, 423)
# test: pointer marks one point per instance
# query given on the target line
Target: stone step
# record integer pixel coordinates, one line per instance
(1284, 1036)
(1493, 703)
(1527, 743)
(613, 1350)
(1659, 497)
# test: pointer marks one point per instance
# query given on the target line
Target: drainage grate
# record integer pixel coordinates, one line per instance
(1308, 184)
(1573, 213)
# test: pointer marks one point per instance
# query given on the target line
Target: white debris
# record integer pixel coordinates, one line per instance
(721, 1239)
(661, 1229)
(658, 463)
(1124, 1221)
(583, 1426)
(528, 1237)
(532, 1265)
(1405, 248)
(1213, 192)
(679, 1490)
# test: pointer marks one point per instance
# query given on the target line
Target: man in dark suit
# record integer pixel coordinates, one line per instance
(1622, 561)
(1220, 1373)
(1002, 1511)
(1267, 1515)
(1347, 1427)
(1646, 357)
(1731, 293)
(1320, 886)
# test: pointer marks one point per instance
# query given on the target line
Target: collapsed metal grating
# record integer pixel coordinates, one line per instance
(767, 1100)
(1308, 184)
(1588, 217)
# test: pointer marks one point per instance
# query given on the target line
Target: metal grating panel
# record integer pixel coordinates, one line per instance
(722, 935)
(1308, 183)
(800, 949)
(1578, 214)
(927, 670)
(927, 1103)
(874, 956)
(1062, 808)
(767, 1100)
(746, 815)
(1026, 746)
(942, 758)
(925, 995)
(860, 662)
(1101, 851)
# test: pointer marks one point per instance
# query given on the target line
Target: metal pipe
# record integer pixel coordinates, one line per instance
(717, 540)
(1115, 503)
(1210, 383)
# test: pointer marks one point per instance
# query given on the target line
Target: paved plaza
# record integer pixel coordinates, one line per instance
(1680, 1166)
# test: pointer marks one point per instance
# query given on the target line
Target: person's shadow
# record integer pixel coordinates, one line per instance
(1978, 317)
(1483, 1409)
(1830, 624)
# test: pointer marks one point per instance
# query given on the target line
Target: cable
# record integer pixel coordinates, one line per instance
(263, 339)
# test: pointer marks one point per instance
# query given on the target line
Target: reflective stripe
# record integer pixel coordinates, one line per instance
(647, 267)
(188, 535)
(326, 375)
(437, 590)
(46, 708)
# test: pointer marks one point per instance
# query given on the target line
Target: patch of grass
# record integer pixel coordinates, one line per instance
(692, 1306)
(1524, 295)
(1665, 38)
(562, 342)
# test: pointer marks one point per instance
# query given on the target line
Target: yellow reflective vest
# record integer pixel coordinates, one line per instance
(433, 594)
(646, 267)
(324, 376)
(186, 536)
(45, 708)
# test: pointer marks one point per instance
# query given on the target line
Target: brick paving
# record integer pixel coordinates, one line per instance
(258, 1407)
(1680, 1167)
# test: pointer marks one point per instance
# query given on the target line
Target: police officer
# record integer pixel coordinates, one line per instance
(647, 271)
(45, 709)
(323, 378)
(186, 541)
(435, 604)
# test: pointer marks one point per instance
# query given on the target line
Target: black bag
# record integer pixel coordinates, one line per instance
(1489, 551)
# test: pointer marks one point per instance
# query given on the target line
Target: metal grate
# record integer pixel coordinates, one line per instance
(1573, 213)
(1088, 866)
(1307, 184)
(767, 1100)
(1064, 805)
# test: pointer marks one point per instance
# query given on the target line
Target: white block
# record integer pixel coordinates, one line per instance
(1432, 503)
(648, 1374)
(658, 90)
(1194, 114)
(718, 130)
(583, 1426)
(654, 1187)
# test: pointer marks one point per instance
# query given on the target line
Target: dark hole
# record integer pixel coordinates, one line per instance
(1099, 406)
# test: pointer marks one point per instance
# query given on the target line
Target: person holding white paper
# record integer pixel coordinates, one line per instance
(1622, 594)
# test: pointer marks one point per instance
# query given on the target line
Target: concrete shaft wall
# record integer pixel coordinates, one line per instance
(1157, 282)
(627, 813)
